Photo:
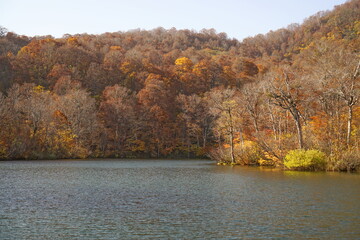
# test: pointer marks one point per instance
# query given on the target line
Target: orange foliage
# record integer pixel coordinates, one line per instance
(116, 48)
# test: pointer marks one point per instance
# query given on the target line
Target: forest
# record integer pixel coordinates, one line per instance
(288, 98)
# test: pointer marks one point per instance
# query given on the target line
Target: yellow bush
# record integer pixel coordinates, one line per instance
(301, 159)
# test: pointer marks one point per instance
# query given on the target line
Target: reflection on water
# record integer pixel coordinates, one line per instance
(151, 199)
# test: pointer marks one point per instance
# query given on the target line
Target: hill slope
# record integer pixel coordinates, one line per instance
(164, 93)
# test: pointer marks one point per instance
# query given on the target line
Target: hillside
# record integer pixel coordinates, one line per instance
(181, 93)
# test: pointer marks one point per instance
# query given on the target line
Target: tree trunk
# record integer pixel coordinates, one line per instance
(273, 122)
(256, 125)
(349, 122)
(232, 147)
(231, 137)
(204, 140)
(299, 130)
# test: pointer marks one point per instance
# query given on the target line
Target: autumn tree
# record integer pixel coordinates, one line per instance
(38, 129)
(6, 127)
(184, 64)
(34, 61)
(197, 120)
(80, 110)
(156, 99)
(285, 92)
(223, 107)
(208, 73)
(117, 111)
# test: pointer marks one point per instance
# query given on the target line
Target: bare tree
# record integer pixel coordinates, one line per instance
(253, 97)
(337, 69)
(284, 92)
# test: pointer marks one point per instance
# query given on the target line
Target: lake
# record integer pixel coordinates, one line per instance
(173, 199)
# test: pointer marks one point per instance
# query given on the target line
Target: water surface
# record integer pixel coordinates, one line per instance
(173, 199)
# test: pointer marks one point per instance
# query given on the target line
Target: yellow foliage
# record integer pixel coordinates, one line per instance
(357, 27)
(48, 40)
(25, 50)
(198, 70)
(126, 67)
(132, 75)
(307, 46)
(213, 52)
(184, 63)
(270, 157)
(266, 162)
(247, 152)
(137, 145)
(65, 136)
(330, 36)
(64, 144)
(153, 76)
(202, 69)
(39, 89)
(248, 144)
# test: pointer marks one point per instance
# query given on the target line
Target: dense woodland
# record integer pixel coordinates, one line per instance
(181, 93)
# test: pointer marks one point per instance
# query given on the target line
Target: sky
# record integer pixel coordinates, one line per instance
(238, 18)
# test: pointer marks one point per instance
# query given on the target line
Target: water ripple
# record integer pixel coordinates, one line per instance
(152, 199)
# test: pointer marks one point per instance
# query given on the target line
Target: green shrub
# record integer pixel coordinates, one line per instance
(301, 159)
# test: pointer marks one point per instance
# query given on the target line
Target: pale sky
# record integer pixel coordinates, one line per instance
(237, 18)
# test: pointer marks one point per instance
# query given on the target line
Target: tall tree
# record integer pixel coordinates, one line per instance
(224, 107)
(285, 91)
(117, 111)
